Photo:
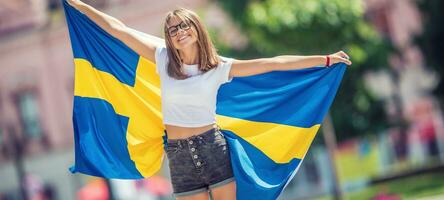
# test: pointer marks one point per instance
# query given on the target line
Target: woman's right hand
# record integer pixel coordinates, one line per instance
(116, 28)
(74, 3)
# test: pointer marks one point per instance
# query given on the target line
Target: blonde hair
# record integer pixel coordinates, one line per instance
(208, 57)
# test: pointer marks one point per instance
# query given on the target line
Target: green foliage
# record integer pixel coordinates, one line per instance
(275, 27)
(419, 186)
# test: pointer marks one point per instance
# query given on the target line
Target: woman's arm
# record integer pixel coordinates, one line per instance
(141, 45)
(280, 63)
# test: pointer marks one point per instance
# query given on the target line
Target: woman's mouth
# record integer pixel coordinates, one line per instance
(183, 38)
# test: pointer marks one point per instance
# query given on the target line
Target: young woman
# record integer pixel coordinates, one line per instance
(191, 72)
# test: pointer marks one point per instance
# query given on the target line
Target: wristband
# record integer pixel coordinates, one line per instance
(327, 63)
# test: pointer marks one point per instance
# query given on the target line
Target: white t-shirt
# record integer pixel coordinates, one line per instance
(190, 102)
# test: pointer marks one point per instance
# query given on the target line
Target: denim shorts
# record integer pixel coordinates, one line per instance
(199, 162)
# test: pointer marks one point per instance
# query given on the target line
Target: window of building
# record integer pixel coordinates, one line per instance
(1, 136)
(29, 114)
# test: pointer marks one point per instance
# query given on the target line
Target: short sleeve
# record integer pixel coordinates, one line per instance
(161, 58)
(224, 71)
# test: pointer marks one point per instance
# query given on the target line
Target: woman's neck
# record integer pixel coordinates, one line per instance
(189, 55)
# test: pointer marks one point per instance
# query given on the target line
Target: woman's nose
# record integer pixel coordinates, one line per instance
(180, 31)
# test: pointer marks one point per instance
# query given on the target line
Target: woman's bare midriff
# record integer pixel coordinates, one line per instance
(177, 132)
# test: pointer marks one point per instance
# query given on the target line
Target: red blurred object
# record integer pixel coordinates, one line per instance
(94, 190)
(384, 196)
(158, 185)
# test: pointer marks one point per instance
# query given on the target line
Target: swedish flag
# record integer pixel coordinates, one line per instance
(269, 119)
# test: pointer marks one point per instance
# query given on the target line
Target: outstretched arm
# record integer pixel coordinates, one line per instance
(280, 63)
(144, 46)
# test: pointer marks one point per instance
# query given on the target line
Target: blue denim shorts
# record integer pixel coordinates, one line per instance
(199, 163)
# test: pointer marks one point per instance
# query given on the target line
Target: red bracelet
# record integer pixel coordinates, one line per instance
(328, 61)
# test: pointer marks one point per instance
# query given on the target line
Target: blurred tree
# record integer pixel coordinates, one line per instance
(431, 40)
(276, 27)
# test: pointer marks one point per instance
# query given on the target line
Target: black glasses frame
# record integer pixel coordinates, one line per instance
(173, 30)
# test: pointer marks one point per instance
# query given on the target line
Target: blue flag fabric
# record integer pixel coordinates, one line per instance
(269, 120)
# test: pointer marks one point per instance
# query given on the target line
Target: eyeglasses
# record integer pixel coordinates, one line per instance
(173, 30)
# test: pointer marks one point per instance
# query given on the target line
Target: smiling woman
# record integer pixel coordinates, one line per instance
(191, 73)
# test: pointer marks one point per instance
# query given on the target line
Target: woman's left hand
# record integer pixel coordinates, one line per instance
(338, 57)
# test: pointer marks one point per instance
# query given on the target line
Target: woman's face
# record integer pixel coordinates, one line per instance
(182, 33)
